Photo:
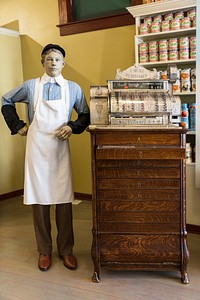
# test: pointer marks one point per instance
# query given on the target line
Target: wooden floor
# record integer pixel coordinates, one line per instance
(21, 279)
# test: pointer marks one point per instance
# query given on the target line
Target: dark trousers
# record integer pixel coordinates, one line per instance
(42, 226)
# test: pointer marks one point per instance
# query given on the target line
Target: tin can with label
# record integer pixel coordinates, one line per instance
(188, 153)
(193, 73)
(184, 42)
(192, 116)
(144, 28)
(157, 18)
(144, 57)
(192, 42)
(185, 74)
(168, 17)
(184, 54)
(173, 44)
(184, 115)
(155, 27)
(173, 55)
(194, 22)
(191, 13)
(176, 86)
(193, 53)
(175, 24)
(143, 47)
(165, 25)
(153, 46)
(163, 45)
(185, 23)
(164, 75)
(185, 86)
(163, 55)
(179, 15)
(148, 21)
(193, 85)
(153, 56)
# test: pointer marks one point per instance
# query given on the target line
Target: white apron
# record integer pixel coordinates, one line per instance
(48, 173)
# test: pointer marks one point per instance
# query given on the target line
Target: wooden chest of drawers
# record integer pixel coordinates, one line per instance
(139, 200)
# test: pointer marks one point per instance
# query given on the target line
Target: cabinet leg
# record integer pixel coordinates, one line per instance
(95, 278)
(185, 278)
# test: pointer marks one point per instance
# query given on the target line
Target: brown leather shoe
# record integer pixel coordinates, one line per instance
(44, 262)
(69, 261)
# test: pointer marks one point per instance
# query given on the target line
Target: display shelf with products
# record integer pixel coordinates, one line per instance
(166, 34)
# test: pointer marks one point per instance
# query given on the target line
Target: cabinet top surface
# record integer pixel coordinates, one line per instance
(108, 128)
(156, 7)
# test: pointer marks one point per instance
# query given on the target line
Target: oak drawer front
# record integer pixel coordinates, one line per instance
(138, 206)
(139, 194)
(136, 228)
(139, 138)
(136, 163)
(140, 217)
(110, 172)
(128, 152)
(128, 184)
(135, 248)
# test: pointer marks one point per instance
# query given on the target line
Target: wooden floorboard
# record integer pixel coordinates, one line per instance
(20, 278)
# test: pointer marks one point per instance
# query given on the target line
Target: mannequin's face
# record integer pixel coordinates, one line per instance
(53, 63)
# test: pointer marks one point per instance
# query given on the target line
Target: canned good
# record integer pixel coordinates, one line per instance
(163, 45)
(193, 85)
(191, 13)
(168, 17)
(184, 54)
(193, 53)
(194, 22)
(185, 85)
(164, 75)
(176, 86)
(148, 21)
(192, 42)
(173, 55)
(144, 57)
(155, 27)
(157, 18)
(165, 25)
(153, 56)
(185, 74)
(184, 42)
(193, 73)
(173, 44)
(175, 24)
(179, 15)
(192, 116)
(144, 29)
(153, 46)
(185, 23)
(184, 115)
(143, 47)
(188, 153)
(163, 55)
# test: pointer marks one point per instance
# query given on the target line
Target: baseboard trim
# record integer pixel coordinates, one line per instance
(193, 228)
(81, 196)
(11, 195)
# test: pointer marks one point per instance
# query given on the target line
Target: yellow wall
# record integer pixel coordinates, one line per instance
(92, 58)
(11, 147)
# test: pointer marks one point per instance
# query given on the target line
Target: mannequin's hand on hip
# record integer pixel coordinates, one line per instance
(23, 131)
(64, 132)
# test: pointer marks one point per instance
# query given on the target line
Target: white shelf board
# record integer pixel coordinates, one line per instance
(162, 6)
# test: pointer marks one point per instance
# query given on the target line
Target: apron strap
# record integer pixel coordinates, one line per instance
(36, 92)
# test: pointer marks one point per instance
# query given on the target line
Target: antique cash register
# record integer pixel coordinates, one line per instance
(136, 97)
(138, 175)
